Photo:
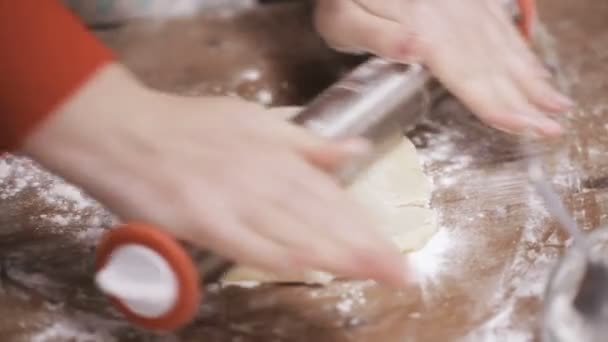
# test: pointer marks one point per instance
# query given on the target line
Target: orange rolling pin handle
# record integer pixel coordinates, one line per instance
(527, 17)
(189, 293)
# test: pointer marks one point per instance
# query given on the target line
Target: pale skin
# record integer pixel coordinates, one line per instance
(234, 177)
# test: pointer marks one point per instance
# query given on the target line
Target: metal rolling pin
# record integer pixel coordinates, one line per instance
(378, 101)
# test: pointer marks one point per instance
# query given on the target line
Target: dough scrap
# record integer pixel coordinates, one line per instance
(394, 189)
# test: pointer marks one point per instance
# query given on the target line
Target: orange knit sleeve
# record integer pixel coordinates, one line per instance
(45, 55)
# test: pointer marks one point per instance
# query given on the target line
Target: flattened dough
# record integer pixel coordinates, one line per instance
(396, 191)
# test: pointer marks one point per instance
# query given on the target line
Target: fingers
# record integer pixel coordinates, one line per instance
(498, 78)
(323, 153)
(322, 227)
(538, 91)
(240, 185)
(343, 222)
(473, 47)
(507, 110)
(317, 221)
(302, 239)
(350, 26)
(331, 156)
(525, 68)
(279, 213)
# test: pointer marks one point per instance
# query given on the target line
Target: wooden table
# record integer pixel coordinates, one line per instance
(486, 268)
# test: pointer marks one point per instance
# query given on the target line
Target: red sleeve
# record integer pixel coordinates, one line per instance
(45, 55)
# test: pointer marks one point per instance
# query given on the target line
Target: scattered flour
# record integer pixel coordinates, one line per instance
(59, 220)
(85, 327)
(90, 235)
(243, 284)
(69, 205)
(34, 280)
(524, 277)
(66, 331)
(526, 273)
(14, 176)
(351, 297)
(442, 150)
(264, 96)
(345, 306)
(4, 170)
(251, 75)
(499, 328)
(429, 262)
(68, 194)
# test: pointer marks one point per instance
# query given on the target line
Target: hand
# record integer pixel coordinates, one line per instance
(219, 172)
(472, 46)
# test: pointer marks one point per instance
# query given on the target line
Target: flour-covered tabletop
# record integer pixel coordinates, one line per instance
(484, 271)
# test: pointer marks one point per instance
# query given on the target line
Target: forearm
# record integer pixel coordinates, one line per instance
(86, 123)
(46, 55)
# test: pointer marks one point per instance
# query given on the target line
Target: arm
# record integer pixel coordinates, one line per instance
(204, 169)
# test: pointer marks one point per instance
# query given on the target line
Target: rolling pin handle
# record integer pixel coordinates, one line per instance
(148, 276)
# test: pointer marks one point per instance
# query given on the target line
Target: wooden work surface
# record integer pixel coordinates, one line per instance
(485, 269)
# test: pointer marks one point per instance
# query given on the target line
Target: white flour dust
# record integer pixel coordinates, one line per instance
(428, 263)
(526, 274)
(86, 328)
(251, 75)
(499, 328)
(434, 260)
(90, 235)
(264, 97)
(442, 150)
(67, 331)
(4, 170)
(68, 195)
(351, 295)
(20, 176)
(246, 284)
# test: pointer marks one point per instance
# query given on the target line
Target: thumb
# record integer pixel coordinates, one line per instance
(349, 27)
(329, 155)
(323, 153)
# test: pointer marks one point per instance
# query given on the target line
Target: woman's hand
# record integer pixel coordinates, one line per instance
(219, 172)
(472, 46)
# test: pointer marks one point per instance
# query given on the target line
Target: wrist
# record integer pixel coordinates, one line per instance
(85, 123)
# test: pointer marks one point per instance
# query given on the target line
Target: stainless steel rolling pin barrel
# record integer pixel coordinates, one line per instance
(378, 101)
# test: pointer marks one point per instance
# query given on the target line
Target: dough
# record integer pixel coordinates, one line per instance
(396, 191)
